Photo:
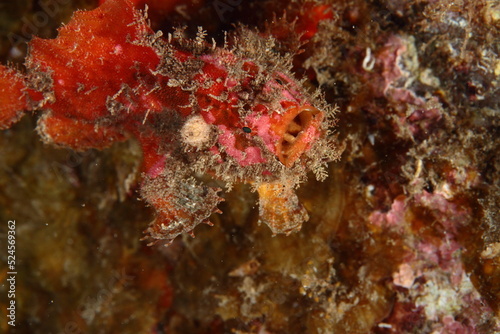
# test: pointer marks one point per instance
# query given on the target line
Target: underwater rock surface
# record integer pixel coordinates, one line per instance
(403, 235)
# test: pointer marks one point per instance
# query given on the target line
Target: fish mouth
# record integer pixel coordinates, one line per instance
(300, 128)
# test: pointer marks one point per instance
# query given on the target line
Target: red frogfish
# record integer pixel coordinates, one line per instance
(233, 112)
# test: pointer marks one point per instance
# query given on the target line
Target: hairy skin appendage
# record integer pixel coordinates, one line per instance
(235, 113)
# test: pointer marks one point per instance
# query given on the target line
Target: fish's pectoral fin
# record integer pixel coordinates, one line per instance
(181, 205)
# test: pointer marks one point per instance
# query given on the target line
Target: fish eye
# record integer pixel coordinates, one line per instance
(279, 81)
(246, 129)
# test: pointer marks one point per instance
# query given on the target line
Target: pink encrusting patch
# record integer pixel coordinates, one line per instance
(395, 217)
(288, 95)
(228, 141)
(251, 155)
(261, 125)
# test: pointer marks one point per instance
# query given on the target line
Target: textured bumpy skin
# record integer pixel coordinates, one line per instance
(233, 112)
(14, 97)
